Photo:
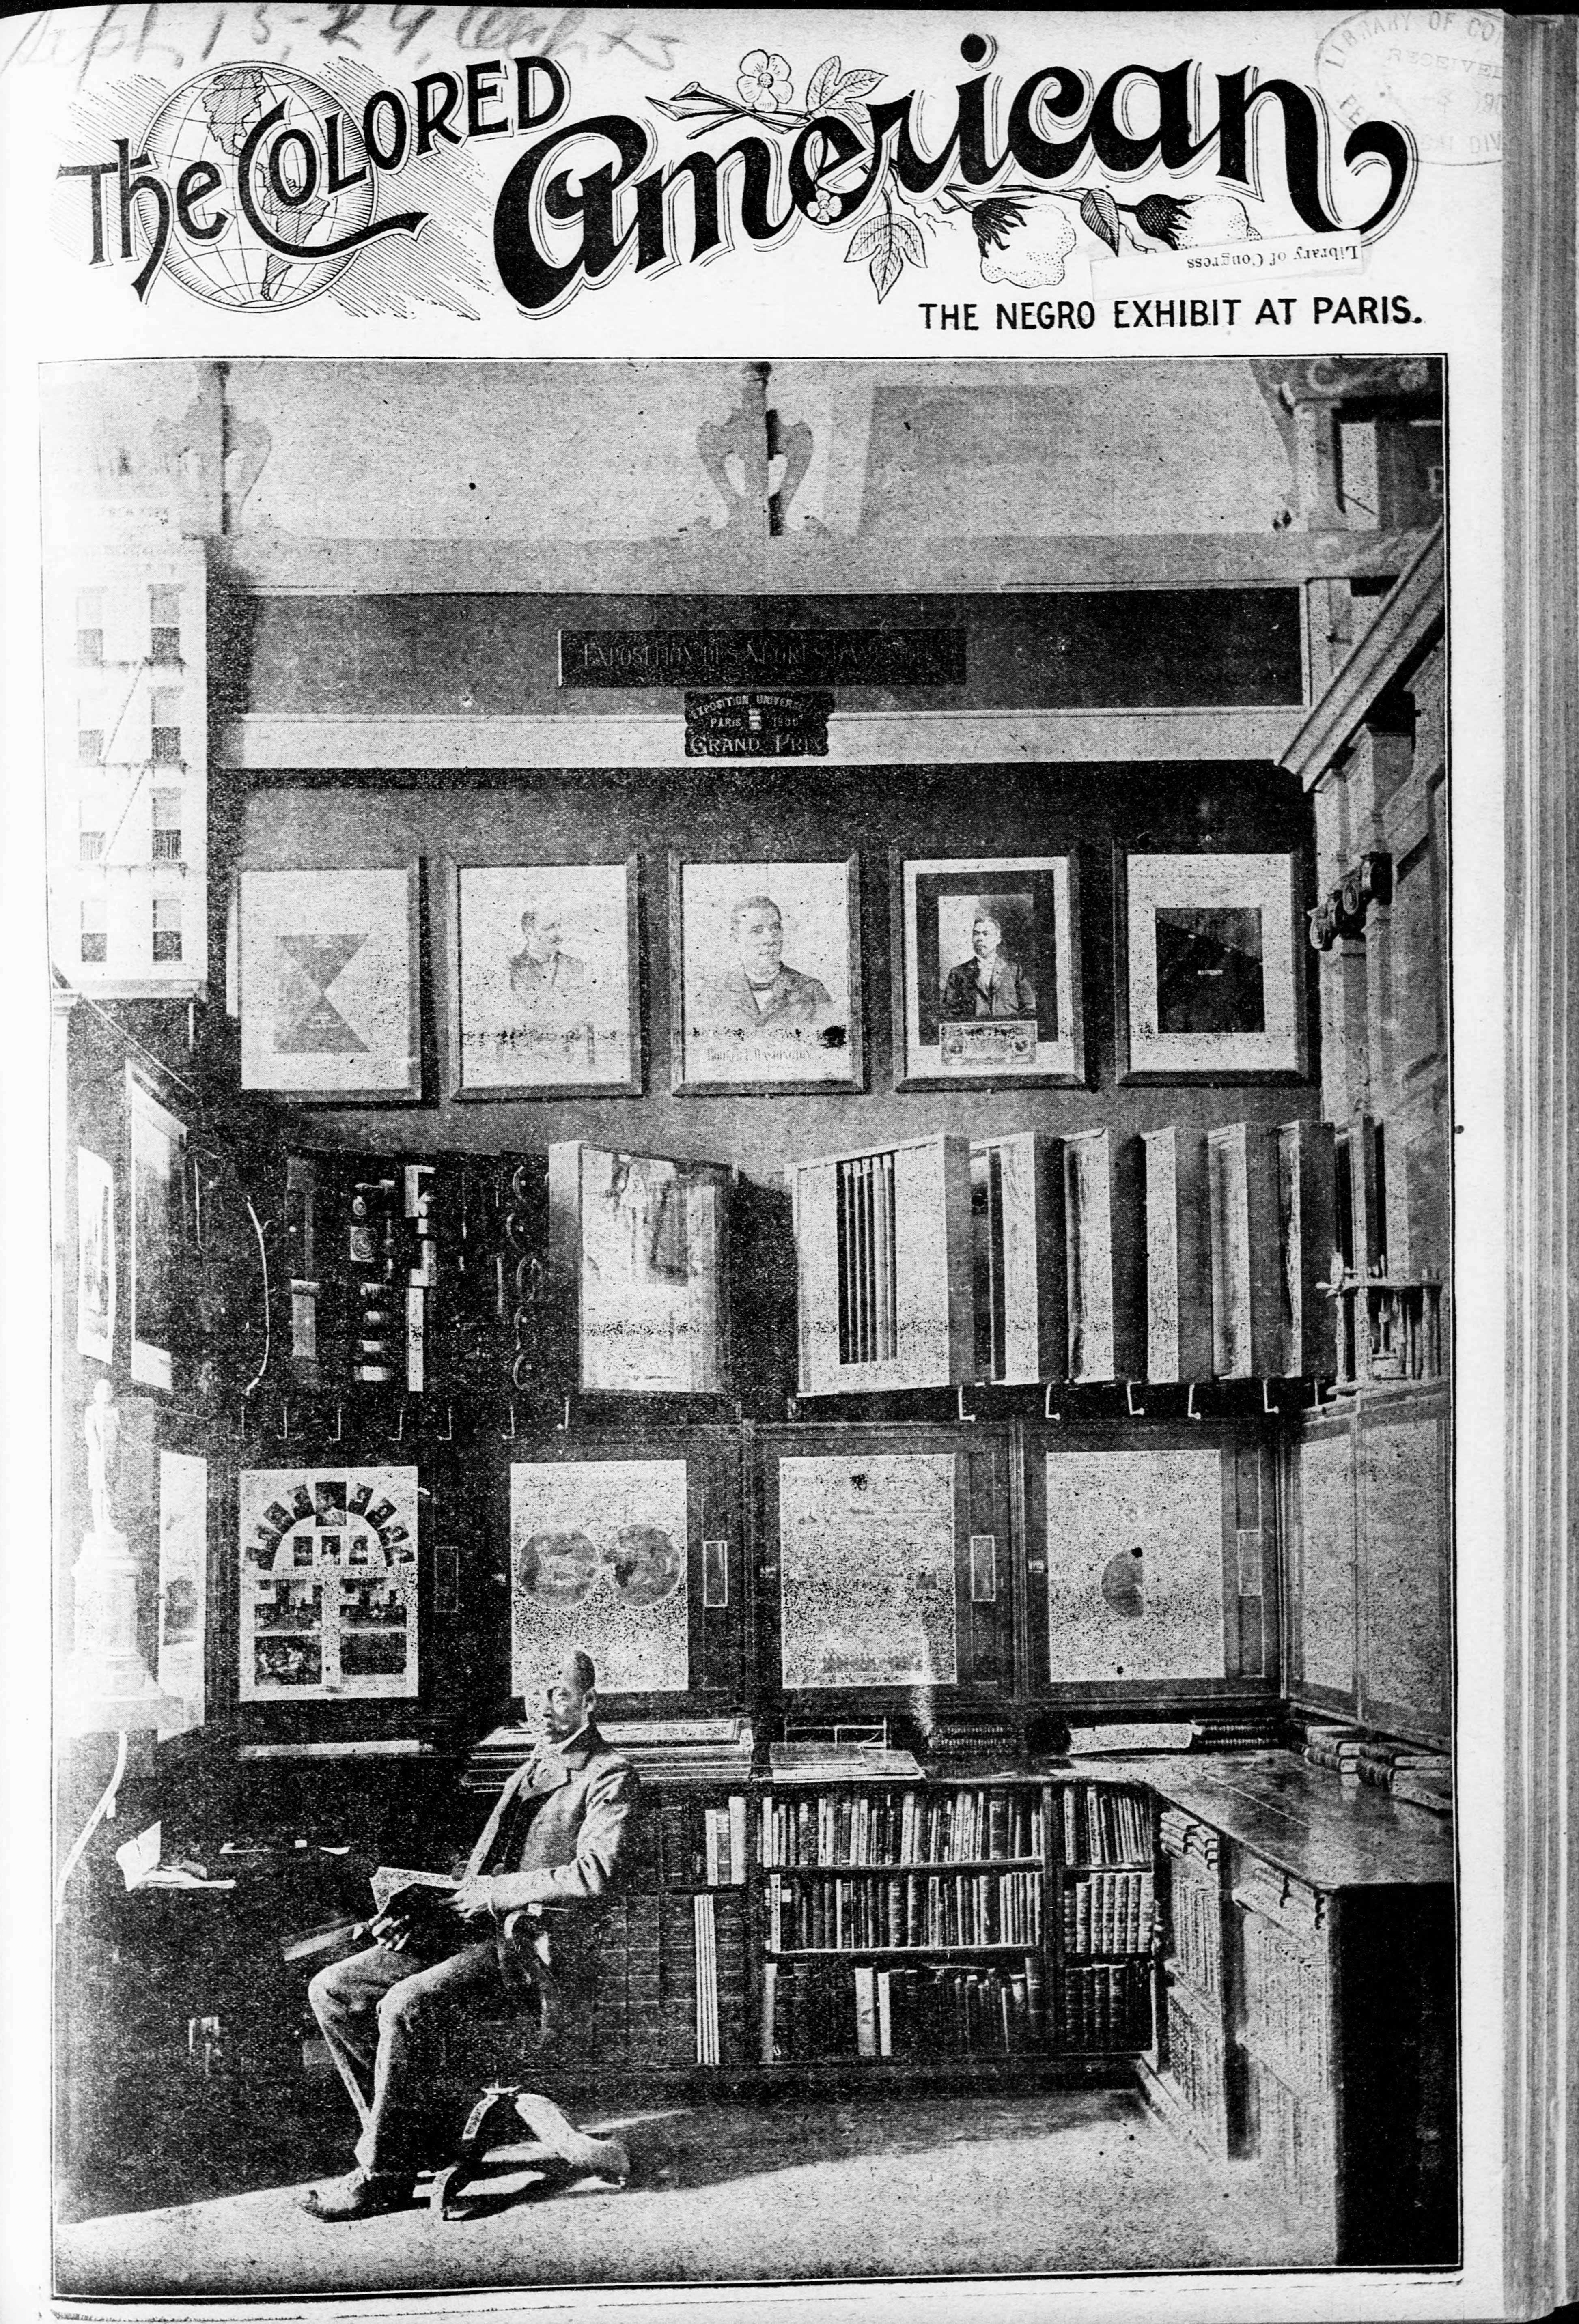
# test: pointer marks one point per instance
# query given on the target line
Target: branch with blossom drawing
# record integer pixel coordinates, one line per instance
(765, 91)
(1022, 234)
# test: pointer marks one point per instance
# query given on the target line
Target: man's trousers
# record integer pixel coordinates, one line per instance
(386, 2022)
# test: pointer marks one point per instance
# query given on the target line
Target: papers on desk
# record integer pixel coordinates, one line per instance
(140, 1867)
(833, 1762)
(1129, 1736)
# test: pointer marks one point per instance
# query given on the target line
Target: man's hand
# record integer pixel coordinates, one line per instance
(392, 1929)
(473, 1898)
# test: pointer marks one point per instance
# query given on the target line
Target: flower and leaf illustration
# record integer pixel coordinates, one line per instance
(1025, 233)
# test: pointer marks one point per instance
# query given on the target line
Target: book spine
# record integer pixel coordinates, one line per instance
(770, 2050)
(866, 2012)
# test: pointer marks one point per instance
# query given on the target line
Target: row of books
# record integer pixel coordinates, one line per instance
(724, 1844)
(1411, 1772)
(1197, 1934)
(1186, 1836)
(706, 1750)
(660, 1978)
(1195, 2063)
(707, 2037)
(1286, 2002)
(812, 2010)
(1106, 2008)
(926, 1910)
(1109, 1913)
(889, 1827)
(1291, 2138)
(1102, 1826)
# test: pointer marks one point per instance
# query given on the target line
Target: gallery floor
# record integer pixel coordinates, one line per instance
(906, 2186)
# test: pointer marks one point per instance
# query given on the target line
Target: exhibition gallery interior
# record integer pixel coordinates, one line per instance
(784, 1025)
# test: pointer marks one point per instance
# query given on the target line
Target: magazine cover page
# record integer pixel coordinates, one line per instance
(753, 1233)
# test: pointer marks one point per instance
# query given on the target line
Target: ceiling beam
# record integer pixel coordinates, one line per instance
(707, 563)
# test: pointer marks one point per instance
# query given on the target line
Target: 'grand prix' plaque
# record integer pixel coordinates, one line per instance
(757, 725)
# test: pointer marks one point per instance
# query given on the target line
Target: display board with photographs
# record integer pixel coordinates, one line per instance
(330, 979)
(544, 983)
(328, 1583)
(866, 1570)
(1210, 966)
(598, 1560)
(765, 976)
(986, 971)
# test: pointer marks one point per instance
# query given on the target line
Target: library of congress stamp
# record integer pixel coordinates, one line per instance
(1437, 70)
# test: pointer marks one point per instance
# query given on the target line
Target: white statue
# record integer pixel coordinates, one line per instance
(101, 1427)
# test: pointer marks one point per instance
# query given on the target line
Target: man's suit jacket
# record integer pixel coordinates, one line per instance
(792, 999)
(554, 1840)
(1011, 994)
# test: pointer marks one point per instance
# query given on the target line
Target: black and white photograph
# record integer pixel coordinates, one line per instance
(787, 1355)
(1210, 965)
(545, 998)
(988, 983)
(766, 971)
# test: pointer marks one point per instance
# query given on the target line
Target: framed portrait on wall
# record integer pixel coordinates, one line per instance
(329, 984)
(158, 1144)
(765, 977)
(986, 971)
(95, 1257)
(544, 986)
(1209, 970)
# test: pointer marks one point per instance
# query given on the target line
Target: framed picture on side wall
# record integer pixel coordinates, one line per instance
(95, 1257)
(986, 971)
(544, 984)
(1209, 975)
(765, 977)
(329, 984)
(158, 1144)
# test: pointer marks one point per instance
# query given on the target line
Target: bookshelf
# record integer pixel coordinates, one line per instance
(672, 1995)
(1310, 2020)
(1103, 1919)
(1192, 2051)
(1000, 1920)
(903, 1920)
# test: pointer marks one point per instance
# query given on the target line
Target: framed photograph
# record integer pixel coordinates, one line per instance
(544, 987)
(95, 1257)
(329, 984)
(158, 1149)
(1209, 970)
(765, 977)
(986, 971)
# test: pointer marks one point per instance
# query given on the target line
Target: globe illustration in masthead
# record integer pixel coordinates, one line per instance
(210, 120)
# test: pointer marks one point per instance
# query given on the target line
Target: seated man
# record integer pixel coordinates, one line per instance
(552, 1841)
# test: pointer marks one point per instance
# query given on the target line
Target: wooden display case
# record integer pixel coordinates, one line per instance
(882, 1244)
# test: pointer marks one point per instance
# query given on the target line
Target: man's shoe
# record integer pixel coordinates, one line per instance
(360, 2195)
